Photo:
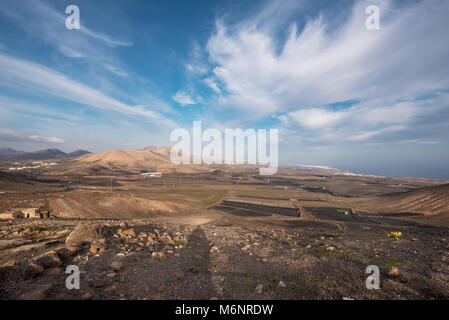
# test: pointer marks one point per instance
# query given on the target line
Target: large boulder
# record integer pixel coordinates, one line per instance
(84, 233)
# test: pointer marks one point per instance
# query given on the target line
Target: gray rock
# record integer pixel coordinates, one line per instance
(5, 244)
(84, 233)
(116, 266)
(48, 260)
(33, 270)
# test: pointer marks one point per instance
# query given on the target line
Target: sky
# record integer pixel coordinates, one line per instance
(341, 95)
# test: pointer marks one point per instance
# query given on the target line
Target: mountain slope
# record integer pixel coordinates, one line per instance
(431, 201)
(8, 154)
(125, 158)
(428, 200)
(78, 153)
(4, 152)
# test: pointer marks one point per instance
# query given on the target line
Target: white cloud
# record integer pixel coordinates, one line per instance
(119, 72)
(367, 121)
(318, 65)
(212, 83)
(300, 79)
(419, 141)
(318, 118)
(196, 65)
(183, 98)
(35, 78)
(14, 135)
(46, 139)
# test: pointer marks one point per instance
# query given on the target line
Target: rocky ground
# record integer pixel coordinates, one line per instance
(220, 259)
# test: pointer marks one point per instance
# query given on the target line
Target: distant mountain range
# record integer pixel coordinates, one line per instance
(8, 154)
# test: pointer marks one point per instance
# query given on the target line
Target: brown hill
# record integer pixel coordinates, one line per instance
(150, 158)
(128, 158)
(100, 205)
(432, 200)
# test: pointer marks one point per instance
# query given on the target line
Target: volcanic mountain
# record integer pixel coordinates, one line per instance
(150, 158)
(129, 158)
(8, 154)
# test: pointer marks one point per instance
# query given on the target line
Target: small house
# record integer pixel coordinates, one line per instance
(31, 213)
(17, 214)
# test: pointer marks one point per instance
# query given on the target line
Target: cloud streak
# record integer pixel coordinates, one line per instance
(44, 22)
(14, 135)
(35, 78)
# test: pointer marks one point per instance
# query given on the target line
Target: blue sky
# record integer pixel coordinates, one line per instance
(370, 101)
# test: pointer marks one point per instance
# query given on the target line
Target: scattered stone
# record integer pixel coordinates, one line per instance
(129, 232)
(116, 266)
(87, 296)
(282, 284)
(347, 298)
(110, 275)
(330, 248)
(264, 260)
(158, 255)
(259, 289)
(393, 272)
(308, 246)
(166, 239)
(97, 248)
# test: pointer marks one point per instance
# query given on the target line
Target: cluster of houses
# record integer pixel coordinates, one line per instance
(36, 164)
(29, 213)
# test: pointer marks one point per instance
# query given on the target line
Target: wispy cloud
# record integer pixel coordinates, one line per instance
(15, 135)
(318, 66)
(183, 98)
(35, 78)
(24, 107)
(42, 21)
(325, 62)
